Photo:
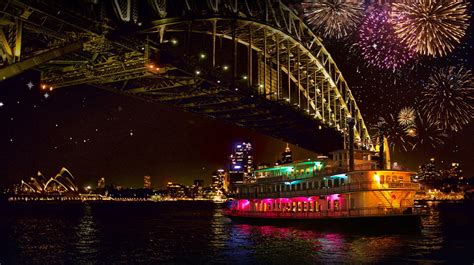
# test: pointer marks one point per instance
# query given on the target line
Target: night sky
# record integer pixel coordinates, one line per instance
(96, 133)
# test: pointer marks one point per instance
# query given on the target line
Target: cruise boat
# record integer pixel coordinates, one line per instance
(347, 186)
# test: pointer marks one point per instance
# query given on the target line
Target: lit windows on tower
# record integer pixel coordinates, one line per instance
(241, 163)
(147, 182)
(286, 156)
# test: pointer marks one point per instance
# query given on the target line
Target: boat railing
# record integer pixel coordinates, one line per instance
(344, 188)
(360, 212)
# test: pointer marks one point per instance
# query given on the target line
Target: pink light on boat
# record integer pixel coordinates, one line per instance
(242, 204)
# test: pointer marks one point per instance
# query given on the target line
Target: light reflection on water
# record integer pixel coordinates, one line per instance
(198, 233)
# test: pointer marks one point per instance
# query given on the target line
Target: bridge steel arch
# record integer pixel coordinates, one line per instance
(286, 45)
(289, 70)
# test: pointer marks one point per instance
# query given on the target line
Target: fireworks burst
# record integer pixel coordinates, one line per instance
(395, 133)
(425, 133)
(431, 27)
(379, 44)
(448, 98)
(334, 18)
(406, 116)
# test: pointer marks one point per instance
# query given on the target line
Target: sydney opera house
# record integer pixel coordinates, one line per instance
(61, 184)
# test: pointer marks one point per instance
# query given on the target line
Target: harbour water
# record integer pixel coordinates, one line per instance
(198, 233)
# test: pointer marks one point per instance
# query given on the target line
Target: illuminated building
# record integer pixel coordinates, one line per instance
(241, 164)
(199, 183)
(286, 156)
(147, 182)
(101, 183)
(218, 180)
(175, 190)
(428, 174)
(62, 183)
(198, 188)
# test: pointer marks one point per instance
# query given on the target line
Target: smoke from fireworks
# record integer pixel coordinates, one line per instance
(406, 116)
(431, 27)
(333, 18)
(448, 98)
(379, 44)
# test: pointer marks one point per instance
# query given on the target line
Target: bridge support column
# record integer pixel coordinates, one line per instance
(350, 123)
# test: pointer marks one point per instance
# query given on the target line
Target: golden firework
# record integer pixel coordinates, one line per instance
(431, 27)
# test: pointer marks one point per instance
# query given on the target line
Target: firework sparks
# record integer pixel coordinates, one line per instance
(334, 18)
(379, 44)
(448, 98)
(406, 116)
(395, 133)
(431, 27)
(425, 134)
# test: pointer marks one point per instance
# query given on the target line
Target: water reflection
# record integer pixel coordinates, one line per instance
(293, 244)
(199, 234)
(87, 238)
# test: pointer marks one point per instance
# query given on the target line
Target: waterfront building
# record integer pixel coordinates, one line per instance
(147, 182)
(217, 180)
(199, 183)
(61, 184)
(176, 190)
(101, 183)
(428, 174)
(241, 164)
(198, 188)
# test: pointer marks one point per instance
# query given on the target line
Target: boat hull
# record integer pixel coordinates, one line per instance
(385, 222)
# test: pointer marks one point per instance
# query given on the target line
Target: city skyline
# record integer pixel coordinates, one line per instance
(64, 147)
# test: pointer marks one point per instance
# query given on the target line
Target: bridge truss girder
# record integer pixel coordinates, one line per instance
(315, 84)
(290, 74)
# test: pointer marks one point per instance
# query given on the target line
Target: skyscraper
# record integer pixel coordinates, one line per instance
(219, 180)
(147, 182)
(286, 156)
(428, 173)
(241, 163)
(101, 183)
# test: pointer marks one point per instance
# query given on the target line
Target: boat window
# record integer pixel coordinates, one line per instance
(329, 204)
(336, 205)
(352, 203)
(336, 182)
(304, 186)
(342, 181)
(330, 183)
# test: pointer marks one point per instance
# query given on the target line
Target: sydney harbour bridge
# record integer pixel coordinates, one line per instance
(253, 63)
